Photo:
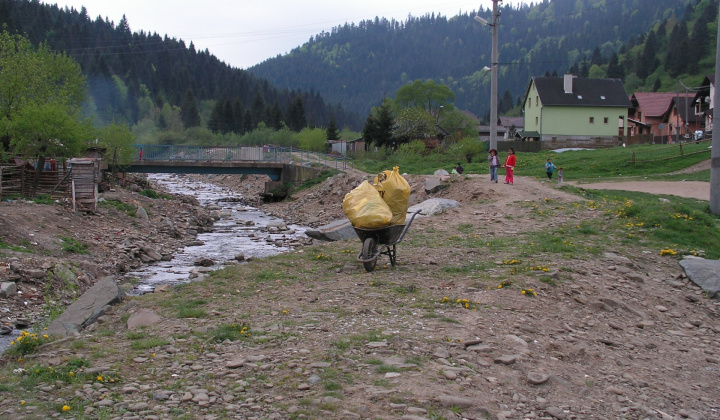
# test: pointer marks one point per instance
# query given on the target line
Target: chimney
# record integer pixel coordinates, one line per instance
(567, 83)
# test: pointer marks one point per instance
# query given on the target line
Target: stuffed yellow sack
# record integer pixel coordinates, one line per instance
(365, 208)
(395, 191)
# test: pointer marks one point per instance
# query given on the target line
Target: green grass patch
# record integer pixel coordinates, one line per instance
(148, 343)
(17, 248)
(73, 246)
(149, 193)
(232, 332)
(119, 205)
(43, 199)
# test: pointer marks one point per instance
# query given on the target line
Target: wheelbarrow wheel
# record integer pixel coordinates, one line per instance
(368, 254)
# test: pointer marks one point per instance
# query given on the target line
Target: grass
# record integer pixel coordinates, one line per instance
(74, 246)
(17, 248)
(584, 165)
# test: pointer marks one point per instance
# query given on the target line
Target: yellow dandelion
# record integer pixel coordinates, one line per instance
(523, 292)
(66, 408)
(499, 286)
(22, 402)
(99, 378)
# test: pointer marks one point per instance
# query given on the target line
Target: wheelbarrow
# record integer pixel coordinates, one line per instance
(381, 241)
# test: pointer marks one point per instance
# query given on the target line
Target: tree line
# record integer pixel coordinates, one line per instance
(362, 63)
(132, 76)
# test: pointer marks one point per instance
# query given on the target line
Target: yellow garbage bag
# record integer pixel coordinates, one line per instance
(395, 191)
(365, 208)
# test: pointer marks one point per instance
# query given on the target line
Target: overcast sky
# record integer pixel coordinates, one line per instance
(246, 32)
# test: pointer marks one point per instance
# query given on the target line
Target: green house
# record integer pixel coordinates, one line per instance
(572, 108)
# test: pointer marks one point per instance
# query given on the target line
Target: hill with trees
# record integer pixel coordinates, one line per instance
(360, 64)
(147, 80)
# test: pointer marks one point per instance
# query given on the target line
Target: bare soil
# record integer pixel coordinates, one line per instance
(615, 331)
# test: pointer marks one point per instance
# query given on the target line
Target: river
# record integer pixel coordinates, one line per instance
(240, 230)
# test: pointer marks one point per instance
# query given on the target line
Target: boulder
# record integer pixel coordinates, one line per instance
(141, 213)
(8, 289)
(334, 231)
(433, 185)
(704, 273)
(88, 308)
(434, 205)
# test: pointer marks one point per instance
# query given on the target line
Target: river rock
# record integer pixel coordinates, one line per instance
(704, 273)
(8, 289)
(204, 262)
(142, 318)
(87, 308)
(141, 213)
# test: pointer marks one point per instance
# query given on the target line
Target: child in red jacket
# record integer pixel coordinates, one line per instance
(510, 166)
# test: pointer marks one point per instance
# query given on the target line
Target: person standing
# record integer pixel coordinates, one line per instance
(140, 154)
(459, 169)
(549, 168)
(510, 166)
(494, 163)
(560, 175)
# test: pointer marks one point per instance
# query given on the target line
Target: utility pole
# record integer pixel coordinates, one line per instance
(715, 151)
(494, 77)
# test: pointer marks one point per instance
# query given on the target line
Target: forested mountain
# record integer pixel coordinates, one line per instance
(130, 72)
(358, 64)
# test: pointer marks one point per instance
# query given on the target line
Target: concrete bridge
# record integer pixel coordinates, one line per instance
(282, 165)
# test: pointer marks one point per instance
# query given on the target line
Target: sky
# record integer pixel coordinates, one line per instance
(243, 33)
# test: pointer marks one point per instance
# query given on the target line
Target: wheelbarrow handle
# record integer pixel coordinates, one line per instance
(407, 226)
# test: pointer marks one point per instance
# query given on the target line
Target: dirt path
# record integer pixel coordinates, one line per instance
(688, 189)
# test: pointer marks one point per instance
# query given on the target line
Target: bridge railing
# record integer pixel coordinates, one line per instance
(152, 152)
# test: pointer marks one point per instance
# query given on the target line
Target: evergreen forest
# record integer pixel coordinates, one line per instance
(650, 44)
(159, 84)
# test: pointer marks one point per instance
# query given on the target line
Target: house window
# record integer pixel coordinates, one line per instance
(605, 120)
(536, 120)
(536, 101)
(592, 120)
(529, 103)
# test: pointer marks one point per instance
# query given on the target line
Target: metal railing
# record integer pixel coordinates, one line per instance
(290, 155)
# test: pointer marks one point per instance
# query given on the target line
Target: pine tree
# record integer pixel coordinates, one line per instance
(615, 70)
(238, 117)
(215, 124)
(296, 115)
(228, 117)
(189, 113)
(332, 132)
(648, 60)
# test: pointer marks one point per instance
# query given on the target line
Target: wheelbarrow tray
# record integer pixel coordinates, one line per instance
(388, 235)
(381, 241)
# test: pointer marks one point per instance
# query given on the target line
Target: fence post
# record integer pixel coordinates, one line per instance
(681, 150)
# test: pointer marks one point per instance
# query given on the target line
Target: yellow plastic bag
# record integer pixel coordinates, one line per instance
(365, 208)
(395, 191)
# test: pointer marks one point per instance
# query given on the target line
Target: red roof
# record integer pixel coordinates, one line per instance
(654, 104)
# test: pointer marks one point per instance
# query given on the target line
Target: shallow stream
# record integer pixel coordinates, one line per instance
(241, 230)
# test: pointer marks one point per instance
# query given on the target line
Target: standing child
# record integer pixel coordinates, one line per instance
(510, 166)
(560, 175)
(494, 162)
(549, 168)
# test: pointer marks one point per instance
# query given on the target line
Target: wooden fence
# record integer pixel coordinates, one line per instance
(671, 151)
(18, 181)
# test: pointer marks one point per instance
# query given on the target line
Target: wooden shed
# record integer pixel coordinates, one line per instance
(84, 178)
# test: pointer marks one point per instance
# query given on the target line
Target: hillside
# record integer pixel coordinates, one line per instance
(130, 73)
(357, 64)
